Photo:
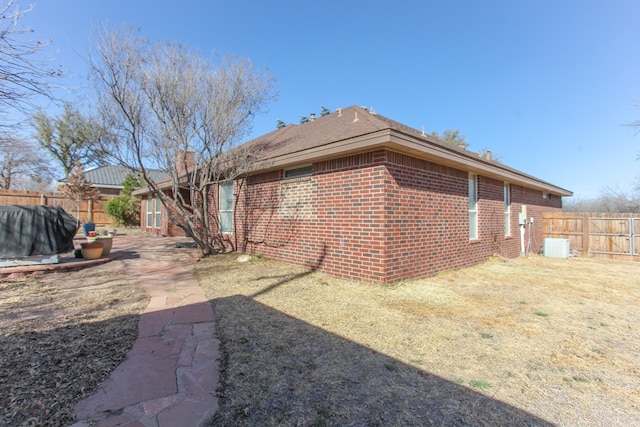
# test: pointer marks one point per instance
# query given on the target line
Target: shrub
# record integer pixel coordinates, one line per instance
(124, 210)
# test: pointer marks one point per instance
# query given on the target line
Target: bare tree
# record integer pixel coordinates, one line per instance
(610, 199)
(452, 136)
(71, 138)
(485, 153)
(24, 65)
(22, 166)
(614, 199)
(175, 109)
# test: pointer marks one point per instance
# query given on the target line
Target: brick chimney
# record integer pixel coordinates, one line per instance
(189, 157)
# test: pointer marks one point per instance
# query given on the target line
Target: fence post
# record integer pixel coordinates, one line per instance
(43, 199)
(632, 249)
(585, 234)
(90, 210)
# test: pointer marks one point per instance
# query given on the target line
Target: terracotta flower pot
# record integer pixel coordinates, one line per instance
(107, 241)
(91, 250)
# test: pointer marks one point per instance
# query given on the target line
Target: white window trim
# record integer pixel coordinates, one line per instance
(150, 212)
(473, 207)
(507, 209)
(157, 222)
(221, 211)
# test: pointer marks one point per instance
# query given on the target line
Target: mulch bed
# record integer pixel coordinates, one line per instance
(61, 334)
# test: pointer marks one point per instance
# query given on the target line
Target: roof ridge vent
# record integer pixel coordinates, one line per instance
(339, 110)
(355, 119)
(423, 134)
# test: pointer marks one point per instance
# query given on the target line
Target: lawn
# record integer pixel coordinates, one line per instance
(61, 335)
(528, 341)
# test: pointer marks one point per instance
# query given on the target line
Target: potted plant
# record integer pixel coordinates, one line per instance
(91, 250)
(107, 241)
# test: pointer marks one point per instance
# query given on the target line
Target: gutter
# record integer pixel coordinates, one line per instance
(416, 147)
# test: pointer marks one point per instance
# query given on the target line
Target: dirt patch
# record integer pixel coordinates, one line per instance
(61, 334)
(529, 341)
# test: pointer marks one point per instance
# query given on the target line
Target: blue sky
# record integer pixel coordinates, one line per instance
(547, 85)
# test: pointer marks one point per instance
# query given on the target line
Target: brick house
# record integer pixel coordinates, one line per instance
(358, 195)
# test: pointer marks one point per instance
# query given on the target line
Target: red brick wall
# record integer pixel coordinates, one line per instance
(427, 216)
(379, 216)
(170, 228)
(536, 204)
(332, 221)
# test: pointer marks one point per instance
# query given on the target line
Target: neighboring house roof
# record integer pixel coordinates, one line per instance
(355, 129)
(112, 176)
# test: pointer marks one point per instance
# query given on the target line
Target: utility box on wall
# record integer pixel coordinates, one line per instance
(556, 248)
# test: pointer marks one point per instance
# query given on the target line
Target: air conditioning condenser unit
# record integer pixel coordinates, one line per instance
(556, 248)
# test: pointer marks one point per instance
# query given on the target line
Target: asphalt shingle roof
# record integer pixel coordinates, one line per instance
(353, 122)
(340, 125)
(292, 144)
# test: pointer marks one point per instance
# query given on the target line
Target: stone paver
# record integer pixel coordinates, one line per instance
(171, 374)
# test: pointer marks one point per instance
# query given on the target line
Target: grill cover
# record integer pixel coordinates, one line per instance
(35, 230)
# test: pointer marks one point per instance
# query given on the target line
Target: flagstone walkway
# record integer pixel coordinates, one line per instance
(171, 374)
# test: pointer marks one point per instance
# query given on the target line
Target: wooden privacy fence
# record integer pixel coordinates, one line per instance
(89, 210)
(610, 235)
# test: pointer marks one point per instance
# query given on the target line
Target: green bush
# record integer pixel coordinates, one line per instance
(124, 210)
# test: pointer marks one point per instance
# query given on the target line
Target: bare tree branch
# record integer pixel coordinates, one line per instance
(22, 166)
(611, 199)
(176, 109)
(452, 137)
(24, 62)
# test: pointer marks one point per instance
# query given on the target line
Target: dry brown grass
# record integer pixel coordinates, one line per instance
(61, 334)
(528, 341)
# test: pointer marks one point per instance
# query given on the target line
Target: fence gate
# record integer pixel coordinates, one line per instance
(605, 235)
(612, 236)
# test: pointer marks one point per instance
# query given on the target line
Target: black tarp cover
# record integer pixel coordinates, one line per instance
(35, 230)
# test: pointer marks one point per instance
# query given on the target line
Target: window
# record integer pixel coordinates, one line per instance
(154, 212)
(149, 212)
(473, 206)
(226, 207)
(298, 172)
(507, 209)
(158, 213)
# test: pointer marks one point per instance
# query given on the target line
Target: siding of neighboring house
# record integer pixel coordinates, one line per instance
(379, 216)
